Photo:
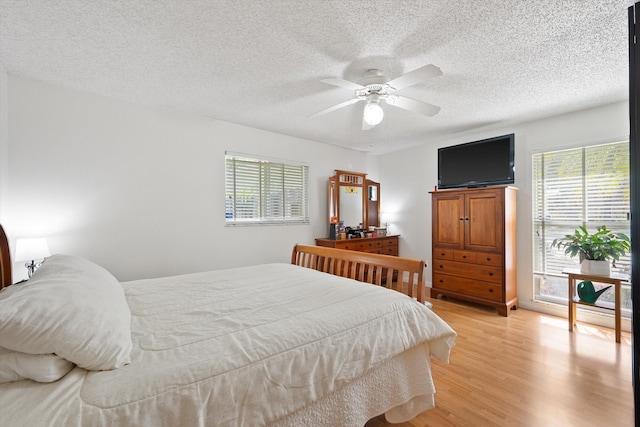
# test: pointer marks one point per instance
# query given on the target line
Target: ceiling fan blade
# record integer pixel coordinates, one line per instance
(343, 84)
(416, 76)
(413, 105)
(335, 107)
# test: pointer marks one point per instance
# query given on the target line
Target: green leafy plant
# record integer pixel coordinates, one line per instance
(603, 245)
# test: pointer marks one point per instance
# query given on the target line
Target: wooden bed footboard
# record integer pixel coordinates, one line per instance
(400, 274)
(5, 260)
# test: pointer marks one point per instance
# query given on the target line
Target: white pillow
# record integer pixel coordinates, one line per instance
(43, 368)
(70, 307)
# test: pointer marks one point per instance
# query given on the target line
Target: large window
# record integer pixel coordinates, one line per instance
(260, 191)
(586, 186)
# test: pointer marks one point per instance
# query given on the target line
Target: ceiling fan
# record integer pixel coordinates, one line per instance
(375, 88)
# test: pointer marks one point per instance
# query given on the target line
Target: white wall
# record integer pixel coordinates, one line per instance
(408, 176)
(139, 189)
(4, 136)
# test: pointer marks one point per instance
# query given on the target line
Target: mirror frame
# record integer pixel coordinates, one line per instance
(372, 204)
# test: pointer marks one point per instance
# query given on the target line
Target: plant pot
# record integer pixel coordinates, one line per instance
(598, 268)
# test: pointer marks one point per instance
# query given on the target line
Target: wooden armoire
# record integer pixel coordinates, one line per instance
(474, 246)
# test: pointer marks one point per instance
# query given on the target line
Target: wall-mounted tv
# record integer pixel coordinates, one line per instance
(478, 163)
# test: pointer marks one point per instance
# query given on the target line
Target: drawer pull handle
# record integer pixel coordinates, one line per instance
(490, 274)
(442, 254)
(490, 290)
(441, 281)
(488, 259)
(464, 257)
(441, 266)
(461, 218)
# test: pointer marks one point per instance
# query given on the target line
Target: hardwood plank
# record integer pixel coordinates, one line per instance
(527, 370)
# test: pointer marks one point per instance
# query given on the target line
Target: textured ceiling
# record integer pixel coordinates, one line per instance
(259, 63)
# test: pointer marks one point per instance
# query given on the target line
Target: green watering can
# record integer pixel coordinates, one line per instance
(587, 292)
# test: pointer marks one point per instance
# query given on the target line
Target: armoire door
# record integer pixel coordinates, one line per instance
(448, 220)
(483, 221)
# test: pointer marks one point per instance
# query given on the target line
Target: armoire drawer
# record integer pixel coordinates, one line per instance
(443, 253)
(488, 258)
(487, 273)
(486, 290)
(474, 257)
(464, 256)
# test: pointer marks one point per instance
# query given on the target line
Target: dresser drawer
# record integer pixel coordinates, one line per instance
(486, 273)
(476, 288)
(338, 244)
(389, 246)
(391, 241)
(356, 245)
(385, 245)
(371, 246)
(389, 250)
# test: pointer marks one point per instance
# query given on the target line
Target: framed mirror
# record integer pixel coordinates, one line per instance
(351, 209)
(354, 201)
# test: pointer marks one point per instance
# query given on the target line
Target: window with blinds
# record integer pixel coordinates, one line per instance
(586, 186)
(260, 191)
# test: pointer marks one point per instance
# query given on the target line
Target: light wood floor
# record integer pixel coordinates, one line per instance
(528, 370)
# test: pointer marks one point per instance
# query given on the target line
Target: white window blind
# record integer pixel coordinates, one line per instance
(586, 186)
(260, 191)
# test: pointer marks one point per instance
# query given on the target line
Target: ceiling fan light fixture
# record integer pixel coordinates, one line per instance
(375, 87)
(373, 113)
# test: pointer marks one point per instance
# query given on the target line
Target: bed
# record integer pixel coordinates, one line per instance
(334, 338)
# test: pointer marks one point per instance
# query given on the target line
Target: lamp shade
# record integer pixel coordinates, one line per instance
(31, 249)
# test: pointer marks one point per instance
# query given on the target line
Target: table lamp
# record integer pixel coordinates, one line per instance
(32, 250)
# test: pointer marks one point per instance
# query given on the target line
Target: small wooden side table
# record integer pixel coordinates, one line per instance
(613, 279)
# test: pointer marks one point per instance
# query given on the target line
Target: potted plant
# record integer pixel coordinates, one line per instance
(595, 250)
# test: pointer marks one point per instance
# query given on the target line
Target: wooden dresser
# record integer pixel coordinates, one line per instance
(474, 246)
(386, 245)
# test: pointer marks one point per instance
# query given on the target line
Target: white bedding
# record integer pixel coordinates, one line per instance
(274, 344)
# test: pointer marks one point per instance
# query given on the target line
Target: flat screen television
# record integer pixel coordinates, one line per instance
(478, 163)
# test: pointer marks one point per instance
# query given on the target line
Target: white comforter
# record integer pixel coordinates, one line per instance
(247, 346)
